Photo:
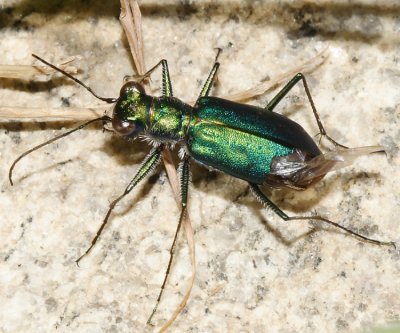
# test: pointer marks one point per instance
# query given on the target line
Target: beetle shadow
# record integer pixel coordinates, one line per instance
(125, 151)
(44, 170)
(302, 207)
(128, 152)
(143, 191)
(279, 236)
(314, 226)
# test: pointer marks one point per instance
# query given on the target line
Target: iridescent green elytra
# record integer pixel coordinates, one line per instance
(247, 142)
(241, 140)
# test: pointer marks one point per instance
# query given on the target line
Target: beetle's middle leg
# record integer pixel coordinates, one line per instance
(184, 183)
(281, 94)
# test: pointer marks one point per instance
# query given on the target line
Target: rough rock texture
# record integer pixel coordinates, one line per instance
(255, 273)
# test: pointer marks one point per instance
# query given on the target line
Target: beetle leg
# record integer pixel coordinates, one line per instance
(267, 202)
(281, 94)
(184, 182)
(319, 122)
(211, 77)
(209, 82)
(151, 161)
(166, 80)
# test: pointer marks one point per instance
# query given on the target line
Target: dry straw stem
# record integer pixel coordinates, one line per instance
(131, 21)
(30, 72)
(82, 114)
(47, 114)
(263, 87)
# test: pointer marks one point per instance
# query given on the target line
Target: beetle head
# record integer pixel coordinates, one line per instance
(129, 115)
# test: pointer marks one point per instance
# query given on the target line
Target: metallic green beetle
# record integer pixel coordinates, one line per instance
(246, 142)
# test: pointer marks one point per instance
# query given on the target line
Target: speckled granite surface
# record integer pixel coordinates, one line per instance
(255, 273)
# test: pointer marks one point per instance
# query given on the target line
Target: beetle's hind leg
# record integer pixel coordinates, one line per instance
(267, 202)
(285, 90)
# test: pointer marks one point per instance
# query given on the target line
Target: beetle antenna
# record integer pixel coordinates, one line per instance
(10, 173)
(105, 99)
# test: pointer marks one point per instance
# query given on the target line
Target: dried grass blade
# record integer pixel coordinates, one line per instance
(131, 21)
(261, 88)
(29, 72)
(50, 114)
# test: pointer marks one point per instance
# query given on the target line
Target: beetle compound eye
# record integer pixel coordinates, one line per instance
(124, 127)
(131, 86)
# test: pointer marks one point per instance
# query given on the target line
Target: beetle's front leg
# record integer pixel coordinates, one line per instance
(151, 161)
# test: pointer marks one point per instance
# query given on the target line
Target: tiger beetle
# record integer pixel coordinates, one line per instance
(254, 144)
